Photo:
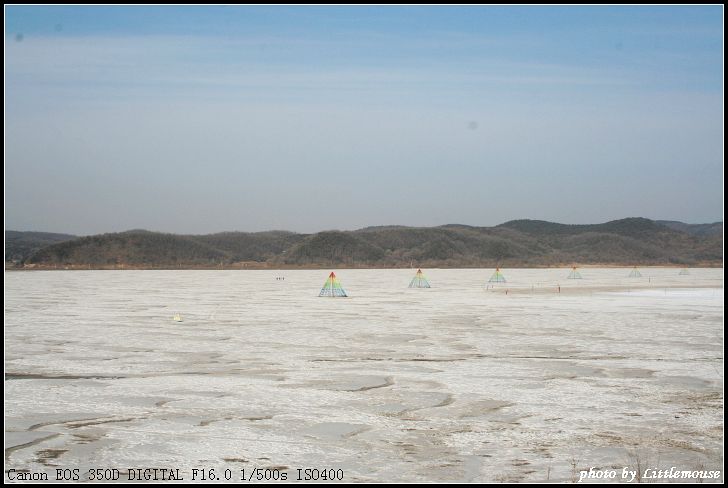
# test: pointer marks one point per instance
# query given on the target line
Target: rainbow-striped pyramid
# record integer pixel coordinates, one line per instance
(419, 281)
(635, 273)
(574, 275)
(332, 287)
(497, 277)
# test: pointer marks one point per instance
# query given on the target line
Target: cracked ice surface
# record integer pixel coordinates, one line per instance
(465, 381)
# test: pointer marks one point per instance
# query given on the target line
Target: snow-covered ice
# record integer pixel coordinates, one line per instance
(529, 380)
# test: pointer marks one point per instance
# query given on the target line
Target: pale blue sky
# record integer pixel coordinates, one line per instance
(204, 119)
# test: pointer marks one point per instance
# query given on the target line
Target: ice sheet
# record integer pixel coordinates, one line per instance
(464, 381)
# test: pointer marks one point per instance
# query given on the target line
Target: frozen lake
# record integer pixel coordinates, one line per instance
(531, 380)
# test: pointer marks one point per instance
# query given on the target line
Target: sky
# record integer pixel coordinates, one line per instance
(208, 119)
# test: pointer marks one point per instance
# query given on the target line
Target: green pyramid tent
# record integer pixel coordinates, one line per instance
(419, 281)
(332, 287)
(635, 273)
(684, 271)
(497, 277)
(574, 275)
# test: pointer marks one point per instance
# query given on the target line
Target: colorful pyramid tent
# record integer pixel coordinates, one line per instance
(635, 273)
(574, 275)
(497, 277)
(332, 287)
(684, 271)
(419, 281)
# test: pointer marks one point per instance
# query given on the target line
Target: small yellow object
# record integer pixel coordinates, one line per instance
(177, 317)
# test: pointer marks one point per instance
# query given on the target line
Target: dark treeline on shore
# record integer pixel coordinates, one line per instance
(518, 243)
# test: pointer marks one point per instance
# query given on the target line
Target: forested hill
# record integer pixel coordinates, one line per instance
(516, 243)
(19, 246)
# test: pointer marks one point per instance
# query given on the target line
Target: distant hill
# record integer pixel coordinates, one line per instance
(716, 228)
(344, 248)
(257, 246)
(516, 243)
(19, 246)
